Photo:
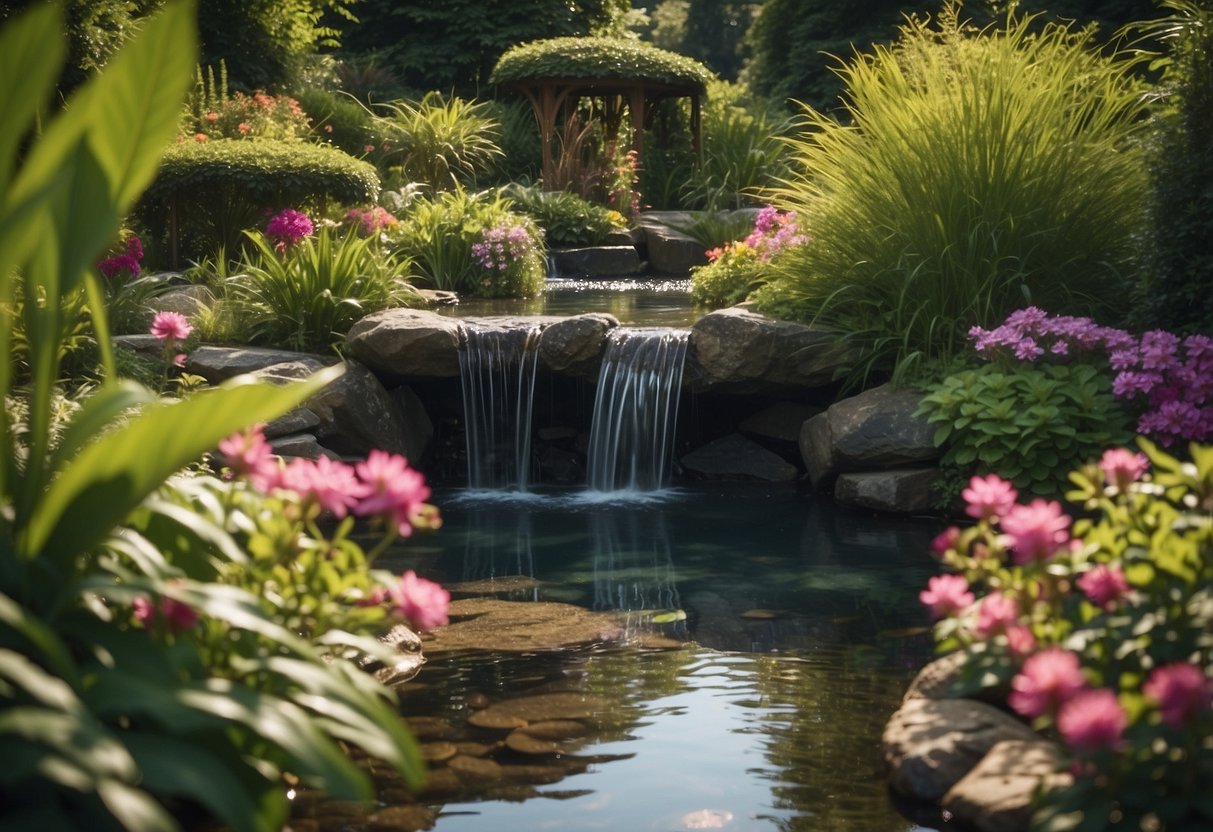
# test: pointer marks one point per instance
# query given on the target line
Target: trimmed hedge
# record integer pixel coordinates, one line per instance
(221, 187)
(599, 58)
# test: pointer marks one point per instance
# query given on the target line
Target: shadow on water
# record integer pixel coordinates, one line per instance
(790, 629)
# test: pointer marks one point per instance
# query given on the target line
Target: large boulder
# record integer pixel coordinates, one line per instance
(736, 457)
(738, 351)
(930, 744)
(875, 430)
(218, 364)
(597, 261)
(575, 346)
(407, 343)
(997, 794)
(670, 251)
(780, 421)
(900, 491)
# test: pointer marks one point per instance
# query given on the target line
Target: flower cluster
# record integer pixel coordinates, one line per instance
(259, 115)
(774, 231)
(287, 228)
(171, 329)
(127, 263)
(503, 245)
(382, 488)
(1172, 378)
(371, 221)
(622, 179)
(1091, 628)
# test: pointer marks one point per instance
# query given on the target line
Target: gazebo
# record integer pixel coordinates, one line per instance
(555, 74)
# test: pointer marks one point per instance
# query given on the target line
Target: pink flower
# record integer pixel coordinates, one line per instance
(170, 327)
(1047, 679)
(179, 359)
(248, 455)
(1122, 467)
(945, 541)
(424, 604)
(946, 595)
(1092, 719)
(330, 484)
(1037, 531)
(1104, 585)
(243, 127)
(393, 490)
(995, 614)
(177, 616)
(989, 497)
(1181, 691)
(1020, 640)
(288, 227)
(200, 137)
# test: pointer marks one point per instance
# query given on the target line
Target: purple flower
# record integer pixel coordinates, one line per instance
(288, 227)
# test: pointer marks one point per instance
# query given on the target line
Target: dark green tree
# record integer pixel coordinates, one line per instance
(712, 32)
(453, 45)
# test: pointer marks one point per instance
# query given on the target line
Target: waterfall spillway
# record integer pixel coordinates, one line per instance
(636, 409)
(497, 371)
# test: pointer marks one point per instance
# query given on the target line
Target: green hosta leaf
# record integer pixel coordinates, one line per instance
(110, 477)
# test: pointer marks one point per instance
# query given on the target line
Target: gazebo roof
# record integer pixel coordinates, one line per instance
(599, 59)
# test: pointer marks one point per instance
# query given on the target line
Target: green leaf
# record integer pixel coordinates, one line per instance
(110, 477)
(134, 808)
(96, 414)
(32, 49)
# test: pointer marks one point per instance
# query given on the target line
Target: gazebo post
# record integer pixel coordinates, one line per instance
(696, 129)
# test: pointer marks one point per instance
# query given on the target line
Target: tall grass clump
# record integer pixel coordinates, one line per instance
(971, 172)
(441, 142)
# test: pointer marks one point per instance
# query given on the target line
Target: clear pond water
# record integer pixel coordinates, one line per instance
(769, 636)
(635, 302)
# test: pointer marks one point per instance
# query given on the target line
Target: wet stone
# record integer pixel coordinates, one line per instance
(555, 729)
(495, 720)
(477, 700)
(762, 615)
(474, 749)
(438, 752)
(441, 782)
(494, 586)
(475, 770)
(402, 819)
(534, 775)
(546, 706)
(526, 744)
(429, 727)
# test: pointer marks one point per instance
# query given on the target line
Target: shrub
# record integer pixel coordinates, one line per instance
(142, 664)
(566, 219)
(215, 113)
(443, 143)
(1116, 613)
(510, 257)
(736, 269)
(304, 292)
(972, 170)
(209, 192)
(597, 57)
(438, 235)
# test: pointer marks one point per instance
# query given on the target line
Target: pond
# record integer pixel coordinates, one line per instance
(769, 635)
(635, 302)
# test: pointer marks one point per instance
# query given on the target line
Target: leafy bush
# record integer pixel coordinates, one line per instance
(207, 193)
(438, 235)
(137, 669)
(1098, 635)
(737, 268)
(597, 57)
(971, 170)
(510, 257)
(1032, 425)
(443, 143)
(305, 294)
(215, 113)
(339, 119)
(566, 219)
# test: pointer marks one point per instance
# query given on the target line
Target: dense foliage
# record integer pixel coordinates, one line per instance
(566, 219)
(597, 57)
(974, 169)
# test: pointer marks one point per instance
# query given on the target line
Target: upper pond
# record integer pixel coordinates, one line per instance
(635, 302)
(768, 637)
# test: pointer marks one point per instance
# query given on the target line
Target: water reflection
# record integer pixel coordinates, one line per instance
(651, 302)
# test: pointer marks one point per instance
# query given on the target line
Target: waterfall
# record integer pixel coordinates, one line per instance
(497, 371)
(636, 409)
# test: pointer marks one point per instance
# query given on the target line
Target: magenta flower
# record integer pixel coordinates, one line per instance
(1181, 691)
(1037, 531)
(1104, 585)
(1092, 719)
(249, 456)
(170, 327)
(1048, 678)
(288, 227)
(176, 615)
(1020, 640)
(326, 482)
(423, 603)
(995, 614)
(945, 541)
(1121, 467)
(393, 490)
(989, 497)
(946, 595)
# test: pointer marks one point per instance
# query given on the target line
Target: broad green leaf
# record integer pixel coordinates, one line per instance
(110, 477)
(96, 414)
(191, 523)
(134, 808)
(51, 649)
(32, 49)
(43, 687)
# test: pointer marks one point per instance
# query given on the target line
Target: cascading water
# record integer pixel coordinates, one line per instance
(636, 409)
(497, 371)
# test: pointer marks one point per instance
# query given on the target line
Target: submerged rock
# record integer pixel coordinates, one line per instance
(518, 626)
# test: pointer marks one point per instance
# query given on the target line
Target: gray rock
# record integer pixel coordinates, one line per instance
(930, 744)
(300, 444)
(188, 300)
(782, 421)
(597, 261)
(671, 252)
(355, 413)
(217, 364)
(736, 456)
(143, 344)
(901, 491)
(408, 343)
(872, 431)
(939, 679)
(418, 429)
(575, 346)
(738, 351)
(299, 420)
(996, 796)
